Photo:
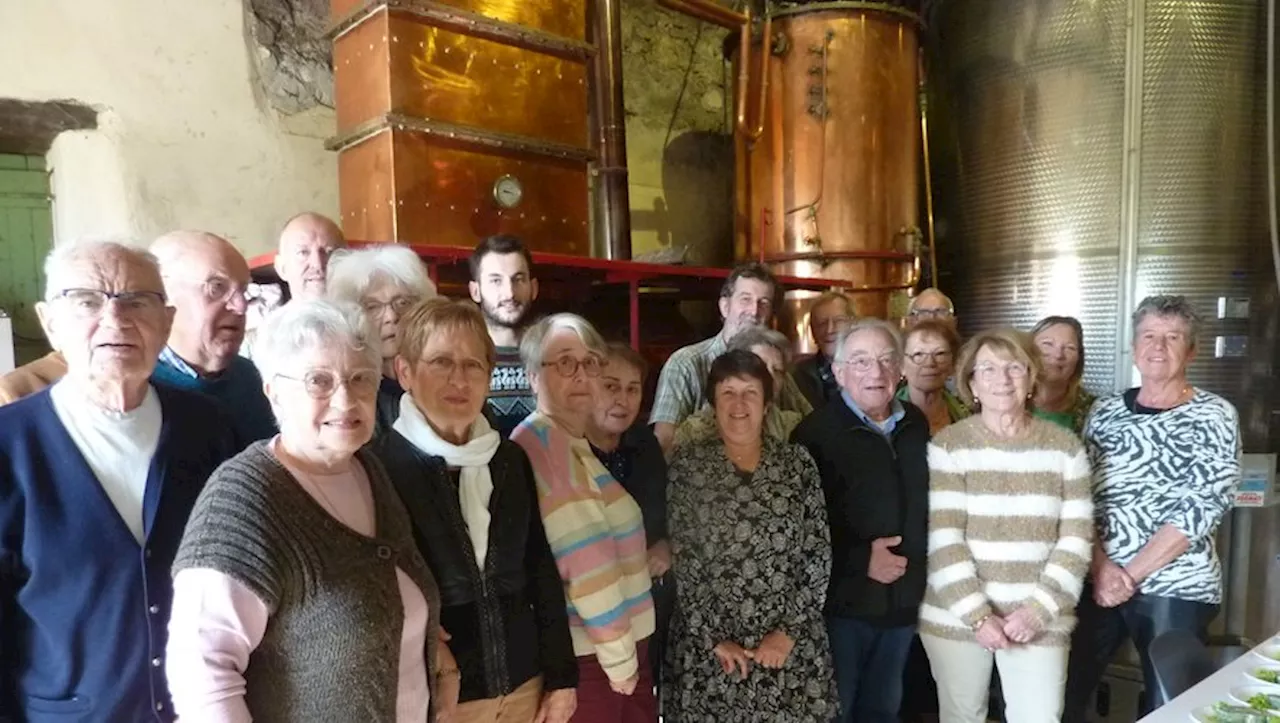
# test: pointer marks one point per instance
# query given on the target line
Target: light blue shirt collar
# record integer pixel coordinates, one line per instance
(896, 413)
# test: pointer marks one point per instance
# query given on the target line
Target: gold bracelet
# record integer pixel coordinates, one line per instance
(448, 673)
(981, 622)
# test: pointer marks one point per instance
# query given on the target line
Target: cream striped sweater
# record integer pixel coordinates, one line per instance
(1010, 523)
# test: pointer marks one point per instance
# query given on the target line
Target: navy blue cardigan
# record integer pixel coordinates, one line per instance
(83, 606)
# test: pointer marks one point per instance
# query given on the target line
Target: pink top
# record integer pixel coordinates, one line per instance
(217, 622)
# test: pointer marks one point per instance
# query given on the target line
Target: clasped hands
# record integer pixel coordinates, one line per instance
(772, 653)
(1020, 627)
(1112, 584)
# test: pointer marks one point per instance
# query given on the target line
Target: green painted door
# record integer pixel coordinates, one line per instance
(26, 234)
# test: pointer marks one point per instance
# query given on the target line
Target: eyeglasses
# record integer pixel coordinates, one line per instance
(321, 384)
(864, 364)
(399, 305)
(568, 366)
(444, 366)
(221, 290)
(90, 303)
(931, 313)
(935, 358)
(1013, 370)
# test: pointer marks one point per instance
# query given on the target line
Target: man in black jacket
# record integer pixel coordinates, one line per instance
(871, 451)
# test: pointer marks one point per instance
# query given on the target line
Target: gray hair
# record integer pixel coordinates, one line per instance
(754, 336)
(352, 272)
(1169, 305)
(64, 256)
(868, 323)
(533, 343)
(304, 325)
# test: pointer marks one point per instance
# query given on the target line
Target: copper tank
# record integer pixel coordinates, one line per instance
(445, 128)
(831, 186)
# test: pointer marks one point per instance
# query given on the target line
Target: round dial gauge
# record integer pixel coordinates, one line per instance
(507, 191)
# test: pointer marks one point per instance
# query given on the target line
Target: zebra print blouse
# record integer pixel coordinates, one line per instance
(1179, 466)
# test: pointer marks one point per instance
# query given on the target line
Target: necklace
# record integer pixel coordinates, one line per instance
(1183, 397)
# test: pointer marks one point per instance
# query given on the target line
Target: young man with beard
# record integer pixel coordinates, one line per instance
(502, 284)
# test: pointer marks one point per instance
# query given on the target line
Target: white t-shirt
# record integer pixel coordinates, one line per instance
(118, 446)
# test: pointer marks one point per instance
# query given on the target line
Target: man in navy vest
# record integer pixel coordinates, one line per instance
(98, 474)
(205, 279)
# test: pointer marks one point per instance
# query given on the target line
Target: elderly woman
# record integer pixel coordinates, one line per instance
(1010, 529)
(930, 347)
(595, 528)
(1166, 461)
(1060, 397)
(299, 594)
(773, 349)
(747, 640)
(96, 469)
(871, 452)
(632, 454)
(385, 280)
(471, 497)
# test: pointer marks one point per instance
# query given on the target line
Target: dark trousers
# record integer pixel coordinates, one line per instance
(1101, 631)
(597, 703)
(869, 662)
(664, 604)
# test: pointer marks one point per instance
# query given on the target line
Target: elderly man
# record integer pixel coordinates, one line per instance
(931, 304)
(302, 256)
(100, 472)
(302, 262)
(746, 300)
(205, 279)
(830, 314)
(872, 453)
(502, 283)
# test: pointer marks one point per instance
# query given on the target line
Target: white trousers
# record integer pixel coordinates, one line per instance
(1032, 679)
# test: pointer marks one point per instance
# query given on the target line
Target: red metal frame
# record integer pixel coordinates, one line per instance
(451, 262)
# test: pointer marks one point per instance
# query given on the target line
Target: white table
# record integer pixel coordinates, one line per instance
(1210, 690)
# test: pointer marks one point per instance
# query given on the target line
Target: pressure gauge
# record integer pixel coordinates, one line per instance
(507, 191)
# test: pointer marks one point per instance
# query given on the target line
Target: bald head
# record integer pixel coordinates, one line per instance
(931, 304)
(303, 253)
(205, 278)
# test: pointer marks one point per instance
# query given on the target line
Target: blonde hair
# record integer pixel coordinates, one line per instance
(439, 315)
(1012, 343)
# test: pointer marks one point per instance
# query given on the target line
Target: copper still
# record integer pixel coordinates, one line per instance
(445, 132)
(829, 184)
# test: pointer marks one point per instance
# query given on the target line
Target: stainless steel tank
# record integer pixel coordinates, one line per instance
(1089, 153)
(1084, 163)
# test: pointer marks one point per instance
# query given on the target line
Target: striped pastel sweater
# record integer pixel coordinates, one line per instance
(1010, 523)
(596, 532)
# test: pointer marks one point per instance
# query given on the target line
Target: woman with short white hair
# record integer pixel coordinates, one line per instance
(595, 528)
(386, 281)
(299, 592)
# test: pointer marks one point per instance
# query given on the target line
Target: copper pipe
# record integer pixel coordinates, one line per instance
(707, 12)
(744, 77)
(928, 176)
(609, 132)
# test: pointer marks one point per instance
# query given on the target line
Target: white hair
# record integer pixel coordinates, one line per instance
(754, 336)
(64, 256)
(352, 272)
(533, 343)
(301, 326)
(867, 324)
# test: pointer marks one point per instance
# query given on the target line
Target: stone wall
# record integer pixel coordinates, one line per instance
(679, 147)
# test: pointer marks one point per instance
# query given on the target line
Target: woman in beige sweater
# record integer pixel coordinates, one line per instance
(1010, 529)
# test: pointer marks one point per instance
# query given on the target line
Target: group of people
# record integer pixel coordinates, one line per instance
(391, 506)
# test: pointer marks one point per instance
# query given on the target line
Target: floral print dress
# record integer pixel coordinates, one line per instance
(751, 555)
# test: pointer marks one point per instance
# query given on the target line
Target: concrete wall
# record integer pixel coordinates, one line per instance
(184, 137)
(677, 92)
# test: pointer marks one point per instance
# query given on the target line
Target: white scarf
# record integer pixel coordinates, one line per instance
(475, 484)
